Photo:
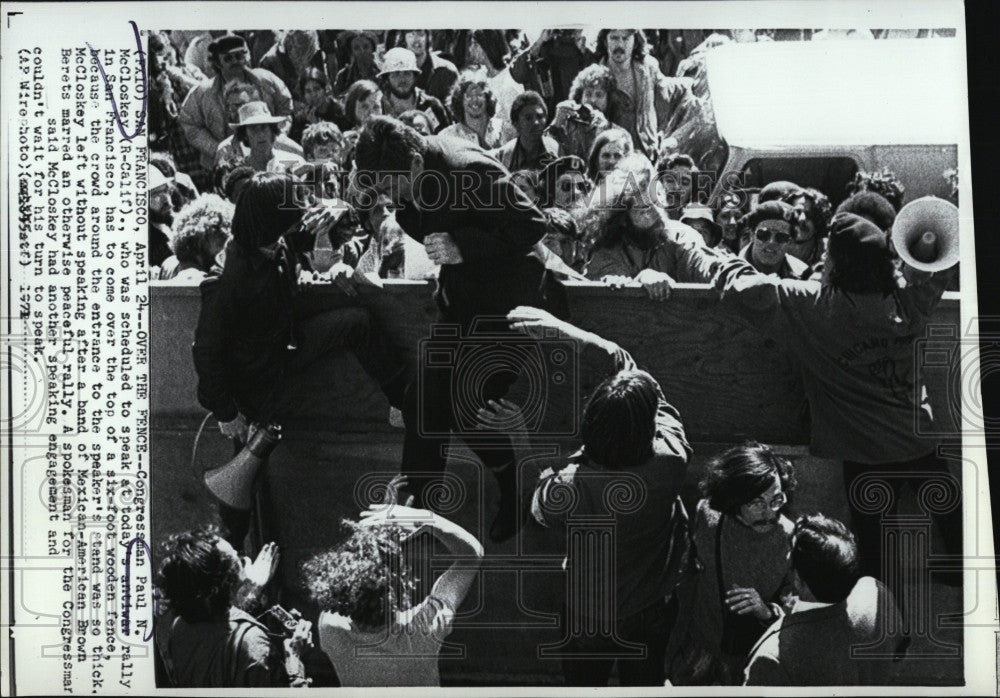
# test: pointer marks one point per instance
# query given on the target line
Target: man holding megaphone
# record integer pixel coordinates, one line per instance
(853, 334)
(257, 331)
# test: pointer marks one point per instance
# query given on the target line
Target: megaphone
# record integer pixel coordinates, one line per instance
(232, 483)
(925, 234)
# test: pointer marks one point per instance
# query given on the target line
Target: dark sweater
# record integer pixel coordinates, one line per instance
(470, 195)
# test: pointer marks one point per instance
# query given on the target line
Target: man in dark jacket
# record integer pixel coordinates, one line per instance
(550, 64)
(256, 330)
(436, 74)
(632, 441)
(484, 232)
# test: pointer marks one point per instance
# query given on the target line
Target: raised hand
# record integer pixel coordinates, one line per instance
(396, 515)
(263, 568)
(393, 489)
(536, 322)
(500, 415)
(236, 429)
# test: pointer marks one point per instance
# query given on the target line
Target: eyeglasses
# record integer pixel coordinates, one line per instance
(238, 56)
(779, 500)
(765, 235)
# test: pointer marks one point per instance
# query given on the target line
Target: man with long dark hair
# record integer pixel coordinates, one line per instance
(743, 581)
(627, 475)
(256, 332)
(204, 639)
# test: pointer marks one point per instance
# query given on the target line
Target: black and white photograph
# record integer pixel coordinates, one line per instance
(509, 351)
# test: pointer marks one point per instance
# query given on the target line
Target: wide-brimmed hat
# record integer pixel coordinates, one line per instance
(253, 113)
(399, 60)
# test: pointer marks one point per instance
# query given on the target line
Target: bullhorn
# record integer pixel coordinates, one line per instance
(232, 483)
(925, 234)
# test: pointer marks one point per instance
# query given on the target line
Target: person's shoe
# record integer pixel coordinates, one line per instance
(396, 418)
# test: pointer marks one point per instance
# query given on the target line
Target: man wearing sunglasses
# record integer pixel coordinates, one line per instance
(203, 114)
(771, 235)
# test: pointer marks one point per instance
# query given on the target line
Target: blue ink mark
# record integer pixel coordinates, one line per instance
(127, 601)
(111, 96)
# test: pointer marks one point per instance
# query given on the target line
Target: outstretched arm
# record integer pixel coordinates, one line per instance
(452, 586)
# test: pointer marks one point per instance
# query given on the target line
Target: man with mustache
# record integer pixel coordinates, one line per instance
(398, 80)
(644, 100)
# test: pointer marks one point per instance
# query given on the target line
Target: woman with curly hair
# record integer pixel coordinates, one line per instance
(201, 231)
(580, 119)
(324, 147)
(369, 625)
(488, 49)
(472, 104)
(744, 581)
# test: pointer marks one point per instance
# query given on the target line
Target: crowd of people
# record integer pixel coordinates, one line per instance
(500, 167)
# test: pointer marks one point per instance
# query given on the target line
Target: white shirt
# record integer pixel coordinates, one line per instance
(404, 655)
(505, 89)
